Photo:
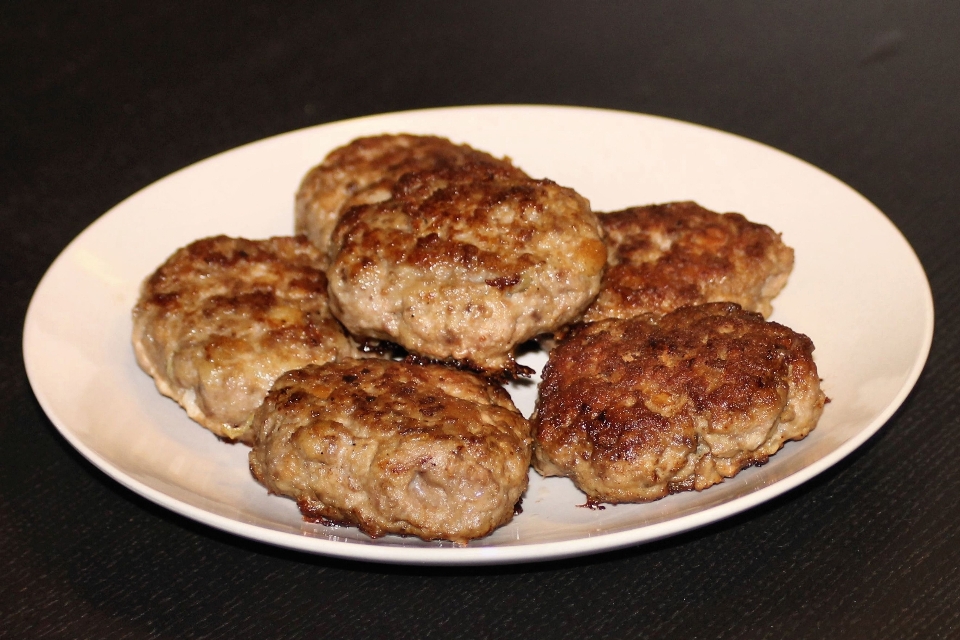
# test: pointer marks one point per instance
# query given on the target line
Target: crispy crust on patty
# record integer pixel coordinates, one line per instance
(662, 257)
(635, 409)
(394, 447)
(462, 265)
(223, 317)
(365, 170)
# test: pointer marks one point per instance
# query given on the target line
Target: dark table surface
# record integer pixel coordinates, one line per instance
(100, 99)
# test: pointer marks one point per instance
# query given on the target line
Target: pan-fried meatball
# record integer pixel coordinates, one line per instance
(364, 171)
(662, 257)
(634, 409)
(222, 318)
(394, 447)
(462, 265)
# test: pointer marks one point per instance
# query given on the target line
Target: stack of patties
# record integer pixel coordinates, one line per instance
(661, 387)
(666, 376)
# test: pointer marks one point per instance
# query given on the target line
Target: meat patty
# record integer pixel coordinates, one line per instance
(394, 447)
(222, 318)
(365, 170)
(635, 409)
(662, 257)
(464, 264)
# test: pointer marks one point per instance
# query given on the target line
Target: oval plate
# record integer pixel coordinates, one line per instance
(857, 290)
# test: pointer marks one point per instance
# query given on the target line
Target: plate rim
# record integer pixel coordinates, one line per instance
(465, 556)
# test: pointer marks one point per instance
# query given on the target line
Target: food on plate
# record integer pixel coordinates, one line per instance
(365, 170)
(223, 317)
(635, 409)
(394, 447)
(662, 257)
(463, 264)
(664, 376)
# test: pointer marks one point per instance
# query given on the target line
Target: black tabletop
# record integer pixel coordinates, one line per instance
(100, 99)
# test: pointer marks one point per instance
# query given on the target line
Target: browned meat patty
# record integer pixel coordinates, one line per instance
(462, 265)
(365, 170)
(634, 409)
(394, 447)
(662, 257)
(222, 318)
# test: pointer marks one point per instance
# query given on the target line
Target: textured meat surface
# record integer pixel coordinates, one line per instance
(662, 257)
(394, 447)
(222, 318)
(464, 264)
(365, 170)
(634, 409)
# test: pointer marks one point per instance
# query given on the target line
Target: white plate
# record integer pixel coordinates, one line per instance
(857, 290)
